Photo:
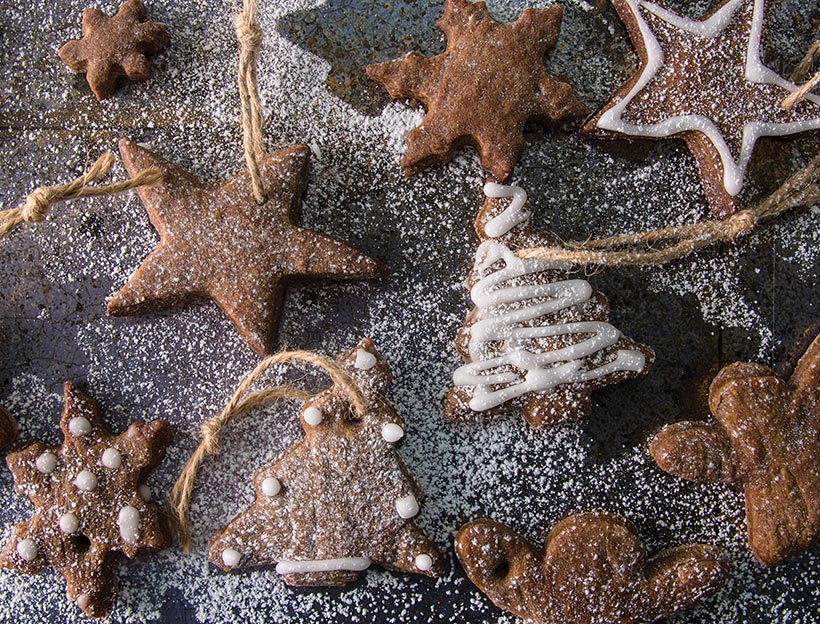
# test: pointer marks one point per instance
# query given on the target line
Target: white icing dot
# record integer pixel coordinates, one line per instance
(407, 506)
(271, 486)
(145, 493)
(27, 549)
(86, 481)
(111, 458)
(424, 562)
(392, 432)
(313, 416)
(231, 557)
(364, 360)
(46, 463)
(79, 426)
(129, 522)
(69, 523)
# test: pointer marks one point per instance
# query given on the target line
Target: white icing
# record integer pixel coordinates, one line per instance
(83, 601)
(392, 432)
(271, 486)
(69, 523)
(424, 562)
(145, 493)
(498, 321)
(79, 426)
(356, 564)
(129, 523)
(313, 416)
(27, 549)
(407, 506)
(111, 458)
(364, 360)
(231, 557)
(515, 214)
(46, 463)
(86, 481)
(734, 171)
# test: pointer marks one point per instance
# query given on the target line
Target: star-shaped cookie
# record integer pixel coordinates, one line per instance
(114, 47)
(704, 81)
(483, 89)
(339, 499)
(216, 242)
(766, 438)
(90, 502)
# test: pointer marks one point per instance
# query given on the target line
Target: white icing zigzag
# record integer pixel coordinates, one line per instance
(498, 321)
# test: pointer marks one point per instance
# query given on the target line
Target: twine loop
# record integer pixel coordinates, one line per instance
(801, 73)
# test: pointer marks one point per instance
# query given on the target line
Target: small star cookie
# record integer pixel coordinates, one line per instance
(593, 569)
(483, 89)
(704, 81)
(765, 437)
(114, 47)
(90, 502)
(339, 499)
(216, 242)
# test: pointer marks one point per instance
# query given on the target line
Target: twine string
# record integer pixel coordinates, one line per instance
(37, 204)
(801, 73)
(249, 34)
(672, 243)
(240, 403)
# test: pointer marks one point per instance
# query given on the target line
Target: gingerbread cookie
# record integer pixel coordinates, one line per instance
(90, 502)
(338, 500)
(535, 342)
(483, 89)
(765, 438)
(216, 242)
(593, 570)
(113, 48)
(8, 428)
(704, 81)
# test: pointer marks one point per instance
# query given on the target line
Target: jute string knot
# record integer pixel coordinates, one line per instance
(37, 204)
(240, 403)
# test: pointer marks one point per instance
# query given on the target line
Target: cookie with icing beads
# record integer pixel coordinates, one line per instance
(8, 428)
(90, 500)
(483, 89)
(593, 569)
(536, 342)
(765, 438)
(338, 500)
(704, 81)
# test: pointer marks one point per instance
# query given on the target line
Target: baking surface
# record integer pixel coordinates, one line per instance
(748, 302)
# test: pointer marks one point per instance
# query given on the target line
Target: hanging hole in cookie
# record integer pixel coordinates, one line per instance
(81, 543)
(501, 569)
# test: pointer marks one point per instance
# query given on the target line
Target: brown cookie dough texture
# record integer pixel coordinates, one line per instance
(765, 437)
(527, 311)
(483, 89)
(8, 428)
(339, 499)
(704, 82)
(217, 243)
(90, 502)
(113, 48)
(593, 570)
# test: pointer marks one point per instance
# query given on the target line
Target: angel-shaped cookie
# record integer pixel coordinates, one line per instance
(339, 499)
(593, 569)
(537, 342)
(765, 438)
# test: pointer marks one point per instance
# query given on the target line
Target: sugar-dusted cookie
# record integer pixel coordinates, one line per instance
(216, 242)
(766, 438)
(705, 82)
(8, 428)
(113, 48)
(90, 502)
(593, 569)
(339, 499)
(483, 89)
(536, 342)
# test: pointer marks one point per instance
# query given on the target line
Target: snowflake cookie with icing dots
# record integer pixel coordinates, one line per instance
(338, 500)
(90, 502)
